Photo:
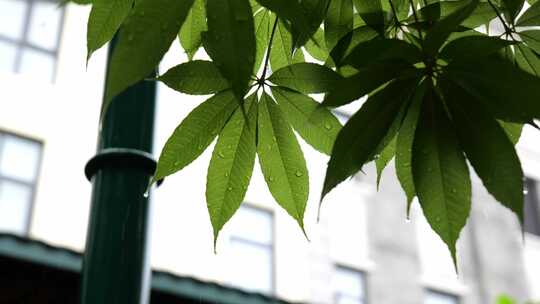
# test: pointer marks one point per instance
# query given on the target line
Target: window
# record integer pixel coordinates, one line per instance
(532, 209)
(29, 36)
(349, 286)
(435, 297)
(251, 248)
(19, 165)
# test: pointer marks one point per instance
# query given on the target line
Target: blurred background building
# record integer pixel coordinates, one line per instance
(363, 250)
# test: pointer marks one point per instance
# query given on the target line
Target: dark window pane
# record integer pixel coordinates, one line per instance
(532, 214)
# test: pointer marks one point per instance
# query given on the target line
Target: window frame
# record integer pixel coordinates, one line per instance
(270, 247)
(443, 293)
(336, 295)
(31, 185)
(22, 43)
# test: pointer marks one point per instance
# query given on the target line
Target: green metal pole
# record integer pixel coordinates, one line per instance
(115, 266)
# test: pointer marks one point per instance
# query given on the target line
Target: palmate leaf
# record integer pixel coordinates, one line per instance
(282, 161)
(230, 41)
(436, 37)
(488, 148)
(363, 133)
(382, 50)
(105, 19)
(292, 12)
(195, 133)
(316, 46)
(404, 144)
(481, 15)
(531, 16)
(306, 77)
(365, 81)
(527, 59)
(512, 130)
(384, 158)
(493, 81)
(532, 39)
(338, 22)
(441, 175)
(476, 46)
(512, 9)
(315, 11)
(191, 32)
(144, 38)
(371, 12)
(196, 77)
(316, 124)
(349, 42)
(231, 166)
(281, 53)
(263, 26)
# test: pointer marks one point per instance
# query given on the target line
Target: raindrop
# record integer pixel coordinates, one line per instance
(437, 219)
(146, 193)
(226, 174)
(454, 190)
(177, 163)
(269, 147)
(200, 147)
(271, 179)
(298, 173)
(221, 154)
(525, 191)
(230, 188)
(376, 156)
(328, 127)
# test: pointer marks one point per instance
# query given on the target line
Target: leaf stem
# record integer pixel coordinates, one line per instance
(398, 23)
(267, 59)
(506, 28)
(416, 19)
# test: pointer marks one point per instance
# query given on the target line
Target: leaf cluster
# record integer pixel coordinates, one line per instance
(441, 86)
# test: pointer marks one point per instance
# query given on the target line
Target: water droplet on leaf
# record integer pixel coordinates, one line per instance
(298, 173)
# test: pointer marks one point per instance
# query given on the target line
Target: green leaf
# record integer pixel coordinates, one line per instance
(371, 12)
(231, 166)
(144, 38)
(481, 15)
(441, 175)
(513, 131)
(384, 158)
(306, 77)
(230, 41)
(316, 46)
(262, 35)
(488, 148)
(382, 50)
(281, 53)
(532, 39)
(315, 11)
(527, 60)
(338, 22)
(442, 29)
(512, 8)
(104, 20)
(282, 161)
(365, 81)
(317, 126)
(346, 44)
(404, 144)
(493, 81)
(531, 16)
(196, 77)
(293, 12)
(195, 133)
(191, 32)
(469, 47)
(363, 133)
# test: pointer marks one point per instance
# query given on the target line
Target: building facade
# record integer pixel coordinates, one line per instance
(363, 249)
